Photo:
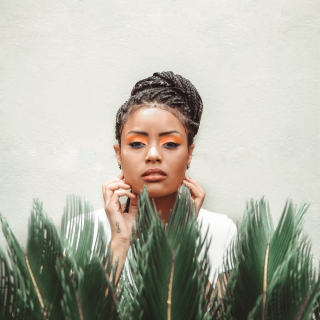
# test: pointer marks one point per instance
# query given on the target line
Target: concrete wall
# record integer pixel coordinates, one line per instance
(67, 66)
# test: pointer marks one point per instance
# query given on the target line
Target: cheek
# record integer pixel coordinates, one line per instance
(130, 163)
(178, 166)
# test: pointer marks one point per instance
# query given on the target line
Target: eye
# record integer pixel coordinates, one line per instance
(171, 145)
(136, 144)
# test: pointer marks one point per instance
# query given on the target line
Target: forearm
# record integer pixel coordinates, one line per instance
(119, 250)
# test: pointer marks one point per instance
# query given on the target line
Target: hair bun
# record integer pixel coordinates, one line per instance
(182, 86)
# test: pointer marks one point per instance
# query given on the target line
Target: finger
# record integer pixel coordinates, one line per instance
(121, 175)
(194, 189)
(112, 185)
(111, 182)
(114, 200)
(194, 182)
(122, 193)
(197, 193)
(107, 193)
(118, 185)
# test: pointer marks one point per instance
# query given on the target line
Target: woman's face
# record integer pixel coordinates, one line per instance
(154, 151)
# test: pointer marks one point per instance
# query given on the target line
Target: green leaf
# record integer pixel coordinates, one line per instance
(78, 228)
(13, 293)
(166, 279)
(17, 282)
(92, 291)
(44, 248)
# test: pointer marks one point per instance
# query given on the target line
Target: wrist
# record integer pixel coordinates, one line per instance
(119, 244)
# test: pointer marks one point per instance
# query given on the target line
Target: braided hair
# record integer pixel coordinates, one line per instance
(173, 93)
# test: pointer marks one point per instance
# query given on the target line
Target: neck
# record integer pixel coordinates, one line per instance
(165, 205)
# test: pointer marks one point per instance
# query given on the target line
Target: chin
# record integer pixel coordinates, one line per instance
(157, 190)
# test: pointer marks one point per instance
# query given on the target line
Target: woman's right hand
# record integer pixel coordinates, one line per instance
(120, 222)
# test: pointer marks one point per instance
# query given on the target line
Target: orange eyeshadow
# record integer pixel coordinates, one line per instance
(166, 139)
(136, 138)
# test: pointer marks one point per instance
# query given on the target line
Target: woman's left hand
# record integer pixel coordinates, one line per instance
(197, 193)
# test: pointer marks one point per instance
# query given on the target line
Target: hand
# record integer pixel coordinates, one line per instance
(197, 194)
(120, 222)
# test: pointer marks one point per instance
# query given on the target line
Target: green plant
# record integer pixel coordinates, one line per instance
(56, 276)
(269, 272)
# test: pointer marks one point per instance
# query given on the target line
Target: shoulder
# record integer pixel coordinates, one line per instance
(219, 225)
(212, 217)
(220, 230)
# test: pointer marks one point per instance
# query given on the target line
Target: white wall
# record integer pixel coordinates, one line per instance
(67, 66)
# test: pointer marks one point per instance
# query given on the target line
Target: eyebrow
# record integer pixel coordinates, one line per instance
(160, 134)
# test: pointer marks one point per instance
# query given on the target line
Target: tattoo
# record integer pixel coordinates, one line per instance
(118, 230)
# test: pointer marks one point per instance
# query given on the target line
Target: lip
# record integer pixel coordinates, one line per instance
(154, 175)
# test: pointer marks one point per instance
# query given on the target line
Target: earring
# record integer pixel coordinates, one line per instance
(188, 166)
(120, 166)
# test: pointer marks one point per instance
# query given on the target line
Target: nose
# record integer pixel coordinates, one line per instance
(153, 156)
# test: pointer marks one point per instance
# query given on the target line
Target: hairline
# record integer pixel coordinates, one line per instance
(154, 104)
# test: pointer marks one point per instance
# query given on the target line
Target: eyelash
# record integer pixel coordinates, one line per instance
(172, 145)
(168, 145)
(136, 144)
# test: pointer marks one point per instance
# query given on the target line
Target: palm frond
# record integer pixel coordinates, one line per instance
(289, 292)
(43, 249)
(13, 293)
(19, 297)
(56, 277)
(93, 289)
(84, 236)
(166, 280)
(270, 274)
(86, 243)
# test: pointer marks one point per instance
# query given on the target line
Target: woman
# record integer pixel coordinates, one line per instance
(155, 130)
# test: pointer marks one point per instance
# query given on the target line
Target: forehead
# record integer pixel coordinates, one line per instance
(153, 120)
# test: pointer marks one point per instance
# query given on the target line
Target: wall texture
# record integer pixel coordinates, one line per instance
(66, 67)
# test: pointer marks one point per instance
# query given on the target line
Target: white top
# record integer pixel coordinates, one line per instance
(221, 230)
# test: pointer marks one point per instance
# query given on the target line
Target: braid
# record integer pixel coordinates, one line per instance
(168, 89)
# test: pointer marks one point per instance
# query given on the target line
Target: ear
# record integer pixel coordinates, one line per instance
(117, 150)
(190, 151)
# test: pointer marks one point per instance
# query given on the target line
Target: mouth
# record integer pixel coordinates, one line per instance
(154, 175)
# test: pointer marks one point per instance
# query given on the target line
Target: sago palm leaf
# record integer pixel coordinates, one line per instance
(166, 280)
(57, 276)
(78, 228)
(43, 249)
(292, 291)
(270, 274)
(13, 295)
(87, 246)
(19, 298)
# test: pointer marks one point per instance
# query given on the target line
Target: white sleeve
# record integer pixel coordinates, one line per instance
(221, 231)
(232, 232)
